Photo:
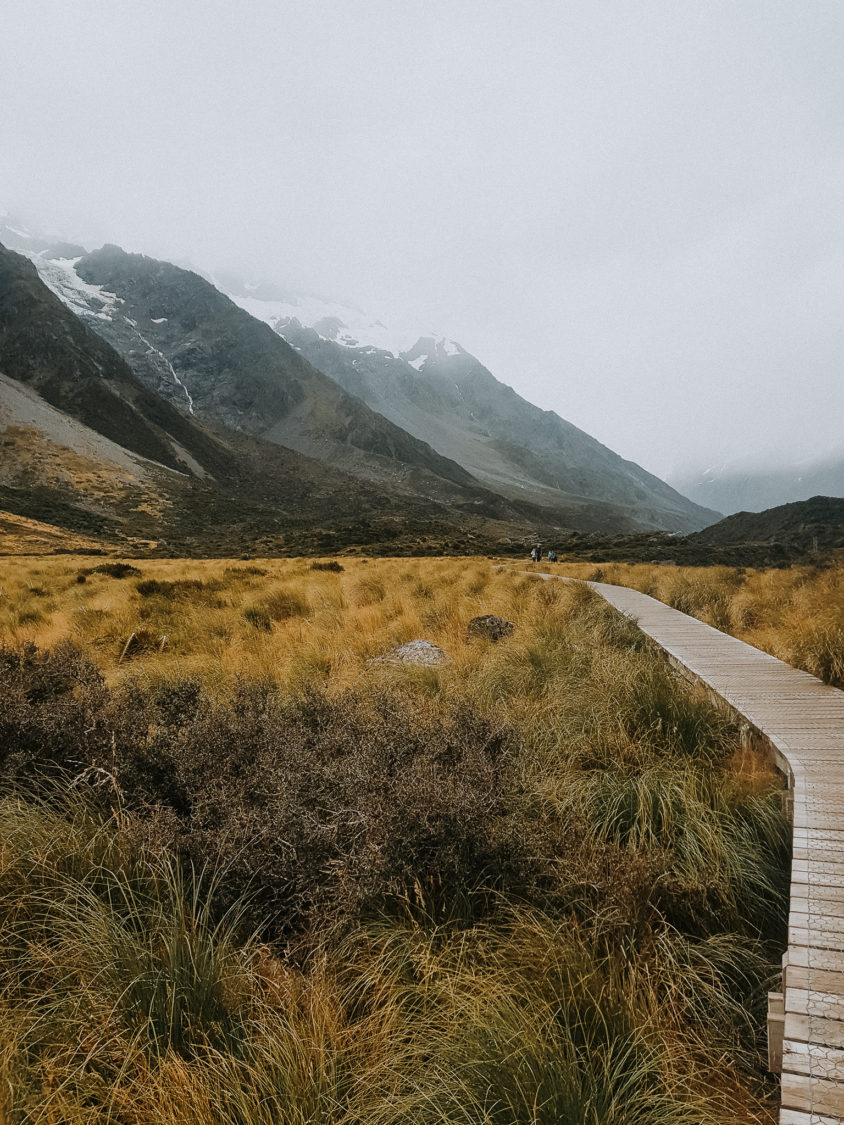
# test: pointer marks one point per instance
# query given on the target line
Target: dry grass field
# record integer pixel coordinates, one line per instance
(796, 613)
(285, 619)
(250, 872)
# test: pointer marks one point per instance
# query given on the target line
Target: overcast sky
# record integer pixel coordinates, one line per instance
(633, 212)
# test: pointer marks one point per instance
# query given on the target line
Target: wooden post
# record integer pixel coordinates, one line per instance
(776, 1029)
(126, 648)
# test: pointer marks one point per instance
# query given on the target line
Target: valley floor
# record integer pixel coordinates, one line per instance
(252, 872)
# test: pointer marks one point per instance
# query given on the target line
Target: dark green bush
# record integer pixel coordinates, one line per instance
(115, 570)
(182, 587)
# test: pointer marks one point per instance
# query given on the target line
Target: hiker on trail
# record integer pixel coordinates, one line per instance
(533, 554)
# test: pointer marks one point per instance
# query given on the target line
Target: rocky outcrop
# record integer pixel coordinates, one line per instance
(490, 627)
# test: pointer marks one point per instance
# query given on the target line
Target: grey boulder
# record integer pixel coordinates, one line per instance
(416, 652)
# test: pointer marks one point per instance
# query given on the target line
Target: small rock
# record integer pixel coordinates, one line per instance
(416, 652)
(490, 626)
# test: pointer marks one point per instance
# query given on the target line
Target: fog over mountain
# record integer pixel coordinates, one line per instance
(631, 214)
(752, 485)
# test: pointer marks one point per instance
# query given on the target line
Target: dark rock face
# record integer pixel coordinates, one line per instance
(45, 346)
(191, 344)
(196, 347)
(489, 626)
(446, 397)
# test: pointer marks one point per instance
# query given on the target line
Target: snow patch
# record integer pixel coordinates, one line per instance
(419, 362)
(346, 325)
(159, 320)
(350, 327)
(60, 276)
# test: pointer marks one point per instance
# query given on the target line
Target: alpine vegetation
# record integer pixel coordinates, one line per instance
(538, 882)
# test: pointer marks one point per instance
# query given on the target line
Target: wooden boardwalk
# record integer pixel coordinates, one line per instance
(801, 721)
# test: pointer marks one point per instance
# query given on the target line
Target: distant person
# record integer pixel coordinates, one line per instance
(533, 554)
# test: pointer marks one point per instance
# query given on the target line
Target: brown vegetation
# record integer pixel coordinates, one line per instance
(795, 613)
(288, 883)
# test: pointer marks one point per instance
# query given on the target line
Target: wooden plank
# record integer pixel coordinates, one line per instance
(803, 891)
(817, 1005)
(809, 849)
(813, 1059)
(819, 871)
(812, 1028)
(798, 1117)
(808, 913)
(820, 939)
(813, 1095)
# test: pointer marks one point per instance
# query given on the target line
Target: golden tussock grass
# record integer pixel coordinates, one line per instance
(796, 613)
(537, 883)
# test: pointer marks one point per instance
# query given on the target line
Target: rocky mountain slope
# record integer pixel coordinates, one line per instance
(437, 391)
(87, 447)
(46, 347)
(429, 421)
(195, 347)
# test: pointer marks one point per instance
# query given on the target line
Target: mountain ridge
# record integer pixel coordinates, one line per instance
(430, 421)
(444, 395)
(79, 452)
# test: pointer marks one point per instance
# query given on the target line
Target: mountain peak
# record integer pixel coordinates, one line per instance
(429, 348)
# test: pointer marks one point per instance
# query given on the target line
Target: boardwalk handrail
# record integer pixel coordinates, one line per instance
(800, 721)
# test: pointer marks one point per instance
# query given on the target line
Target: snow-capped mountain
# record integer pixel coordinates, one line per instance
(88, 447)
(345, 325)
(324, 379)
(437, 391)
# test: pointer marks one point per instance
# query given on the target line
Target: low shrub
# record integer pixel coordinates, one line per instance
(115, 570)
(529, 892)
(152, 1008)
(53, 714)
(182, 587)
(258, 618)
